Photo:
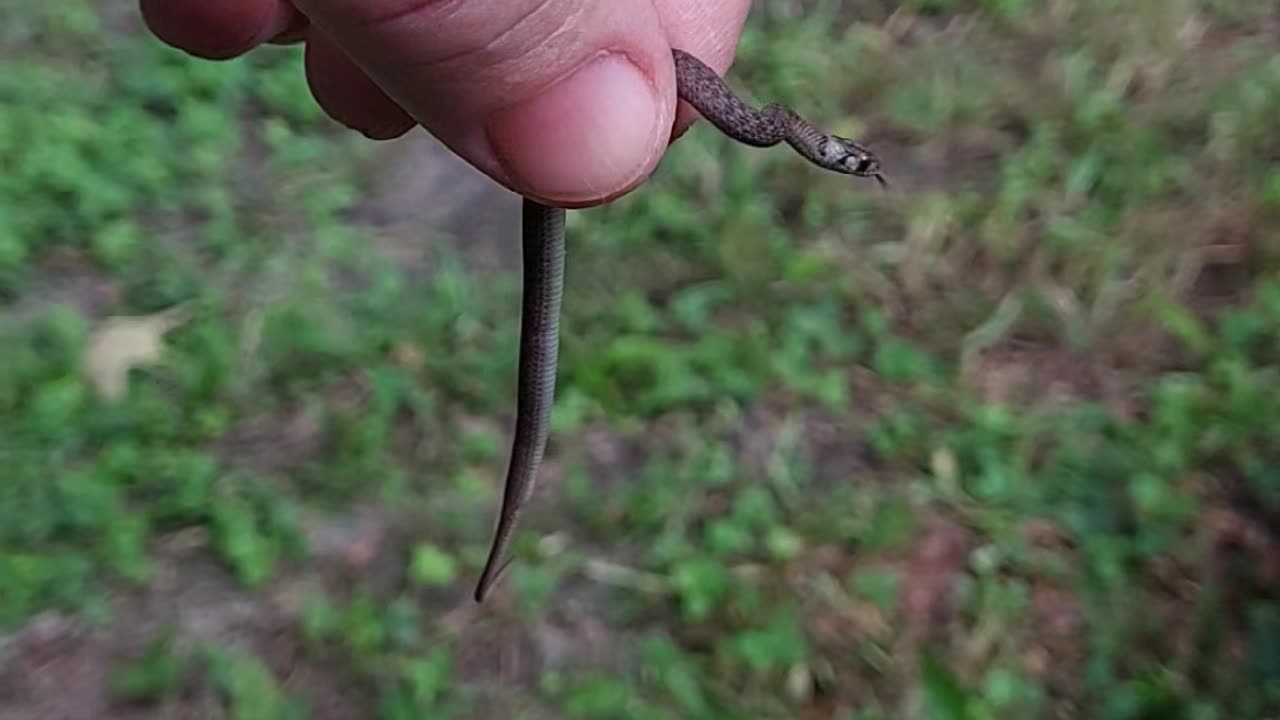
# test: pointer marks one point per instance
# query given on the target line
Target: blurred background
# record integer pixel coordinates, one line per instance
(1001, 443)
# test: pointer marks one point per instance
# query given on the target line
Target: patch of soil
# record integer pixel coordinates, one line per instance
(65, 276)
(938, 558)
(1032, 375)
(420, 194)
(56, 668)
(53, 669)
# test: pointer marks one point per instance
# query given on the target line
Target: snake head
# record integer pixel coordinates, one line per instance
(851, 158)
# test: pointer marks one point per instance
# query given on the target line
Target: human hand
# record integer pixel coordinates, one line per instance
(570, 102)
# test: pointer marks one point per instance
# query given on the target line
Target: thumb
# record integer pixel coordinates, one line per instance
(567, 101)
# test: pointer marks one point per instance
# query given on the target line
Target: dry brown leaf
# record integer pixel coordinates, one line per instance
(124, 342)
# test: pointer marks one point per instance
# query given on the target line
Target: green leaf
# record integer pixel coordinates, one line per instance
(432, 566)
(945, 698)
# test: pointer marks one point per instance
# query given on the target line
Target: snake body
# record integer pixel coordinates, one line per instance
(543, 247)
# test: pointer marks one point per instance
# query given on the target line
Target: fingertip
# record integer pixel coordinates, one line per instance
(218, 30)
(347, 94)
(708, 30)
(592, 136)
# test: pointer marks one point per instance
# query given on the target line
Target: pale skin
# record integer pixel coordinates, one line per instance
(492, 79)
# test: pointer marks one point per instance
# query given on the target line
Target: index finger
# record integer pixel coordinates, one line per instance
(219, 30)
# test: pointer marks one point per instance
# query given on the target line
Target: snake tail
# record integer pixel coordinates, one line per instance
(543, 246)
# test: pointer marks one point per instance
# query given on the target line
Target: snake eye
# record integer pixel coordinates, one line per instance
(863, 164)
(854, 159)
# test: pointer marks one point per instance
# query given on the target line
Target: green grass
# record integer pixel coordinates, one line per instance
(999, 444)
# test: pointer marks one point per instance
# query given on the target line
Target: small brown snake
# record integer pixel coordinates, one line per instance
(543, 243)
